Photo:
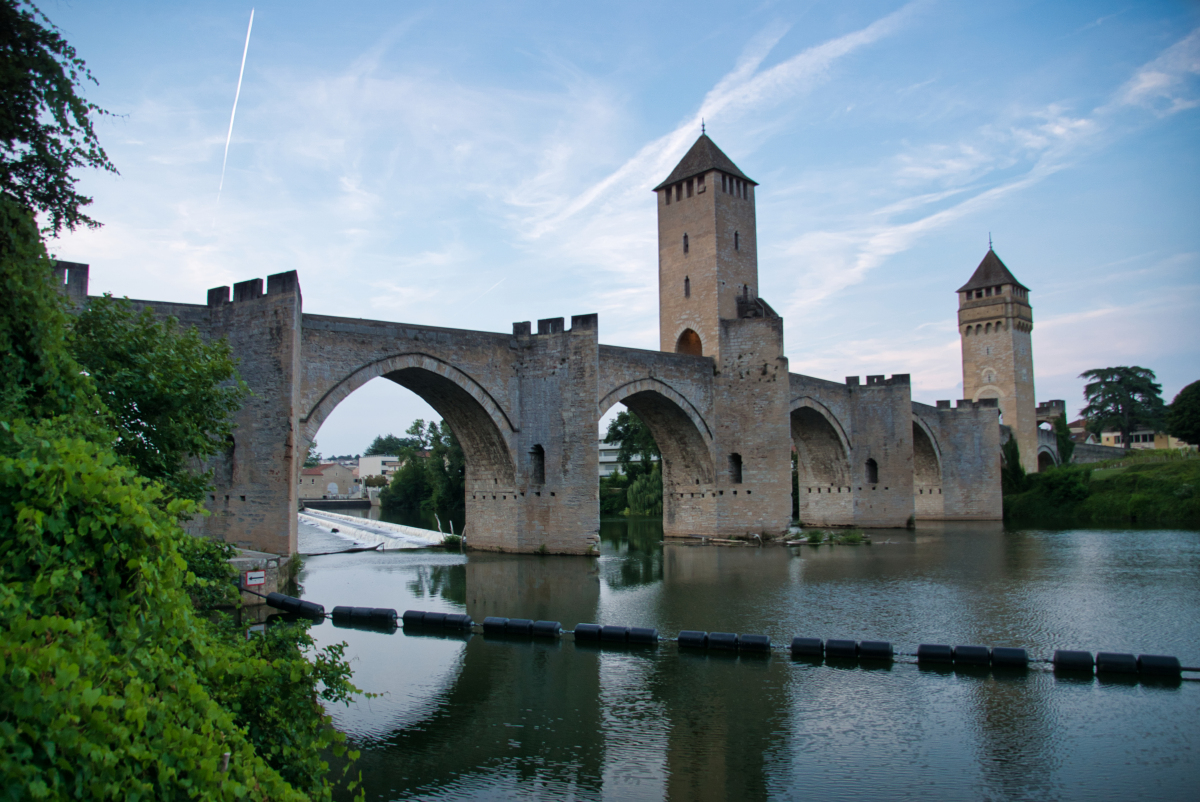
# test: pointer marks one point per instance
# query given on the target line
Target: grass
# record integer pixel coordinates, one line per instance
(849, 537)
(1137, 490)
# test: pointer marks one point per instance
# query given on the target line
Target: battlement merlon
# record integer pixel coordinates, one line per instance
(277, 284)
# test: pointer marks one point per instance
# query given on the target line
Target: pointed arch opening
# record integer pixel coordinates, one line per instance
(689, 343)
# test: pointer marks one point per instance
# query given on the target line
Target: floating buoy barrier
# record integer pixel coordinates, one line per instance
(875, 650)
(808, 647)
(423, 620)
(364, 617)
(1066, 661)
(1071, 660)
(290, 604)
(547, 629)
(845, 649)
(1113, 663)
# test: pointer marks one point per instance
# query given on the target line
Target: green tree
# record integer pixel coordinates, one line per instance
(45, 125)
(1122, 398)
(646, 494)
(1062, 436)
(1183, 416)
(446, 469)
(390, 445)
(312, 457)
(637, 443)
(1012, 474)
(171, 394)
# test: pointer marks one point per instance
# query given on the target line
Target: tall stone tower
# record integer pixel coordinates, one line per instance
(707, 249)
(709, 308)
(995, 321)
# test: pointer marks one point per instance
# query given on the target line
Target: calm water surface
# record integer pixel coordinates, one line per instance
(476, 718)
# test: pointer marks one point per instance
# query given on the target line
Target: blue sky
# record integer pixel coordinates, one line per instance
(471, 165)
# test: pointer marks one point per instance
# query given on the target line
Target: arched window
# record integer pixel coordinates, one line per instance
(872, 472)
(685, 243)
(689, 343)
(987, 329)
(736, 241)
(735, 468)
(537, 465)
(687, 287)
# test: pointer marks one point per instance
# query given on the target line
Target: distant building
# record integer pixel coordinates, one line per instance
(378, 465)
(329, 480)
(1144, 438)
(608, 458)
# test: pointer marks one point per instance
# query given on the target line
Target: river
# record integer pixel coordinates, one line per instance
(482, 718)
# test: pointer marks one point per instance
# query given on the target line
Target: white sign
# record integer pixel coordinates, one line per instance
(255, 578)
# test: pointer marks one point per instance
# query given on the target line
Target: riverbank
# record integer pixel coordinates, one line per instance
(1143, 491)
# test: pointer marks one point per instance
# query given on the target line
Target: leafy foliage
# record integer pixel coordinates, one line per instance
(312, 457)
(435, 484)
(1183, 416)
(613, 493)
(1012, 473)
(1144, 491)
(1122, 398)
(171, 394)
(45, 126)
(390, 445)
(115, 686)
(1062, 437)
(38, 378)
(645, 495)
(636, 442)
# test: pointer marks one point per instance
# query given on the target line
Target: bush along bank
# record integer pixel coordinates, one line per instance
(1145, 491)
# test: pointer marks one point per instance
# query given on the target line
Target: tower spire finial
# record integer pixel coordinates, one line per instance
(702, 132)
(989, 240)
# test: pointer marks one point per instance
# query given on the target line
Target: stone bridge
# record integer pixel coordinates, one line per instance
(525, 406)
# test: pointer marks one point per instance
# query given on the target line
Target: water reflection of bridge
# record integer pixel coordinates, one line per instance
(555, 717)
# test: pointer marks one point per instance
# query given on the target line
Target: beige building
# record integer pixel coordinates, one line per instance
(1143, 438)
(995, 322)
(328, 480)
(378, 465)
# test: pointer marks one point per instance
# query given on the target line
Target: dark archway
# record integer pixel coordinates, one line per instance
(689, 343)
(927, 471)
(685, 455)
(1046, 460)
(821, 458)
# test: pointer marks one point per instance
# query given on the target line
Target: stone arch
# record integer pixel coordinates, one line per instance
(927, 457)
(681, 433)
(822, 448)
(482, 427)
(689, 343)
(1047, 459)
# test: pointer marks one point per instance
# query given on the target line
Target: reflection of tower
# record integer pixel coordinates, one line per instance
(707, 249)
(995, 322)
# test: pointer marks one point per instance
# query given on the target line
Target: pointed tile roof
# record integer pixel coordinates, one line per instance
(703, 156)
(990, 273)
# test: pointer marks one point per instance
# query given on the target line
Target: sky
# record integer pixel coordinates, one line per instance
(474, 164)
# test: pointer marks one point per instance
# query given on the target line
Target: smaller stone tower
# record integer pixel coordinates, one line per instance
(995, 322)
(707, 250)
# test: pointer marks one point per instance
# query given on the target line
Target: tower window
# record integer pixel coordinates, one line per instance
(736, 241)
(685, 243)
(735, 468)
(987, 329)
(699, 185)
(725, 183)
(687, 287)
(667, 195)
(689, 187)
(679, 191)
(872, 472)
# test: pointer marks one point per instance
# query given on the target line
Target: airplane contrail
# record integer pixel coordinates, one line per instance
(236, 95)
